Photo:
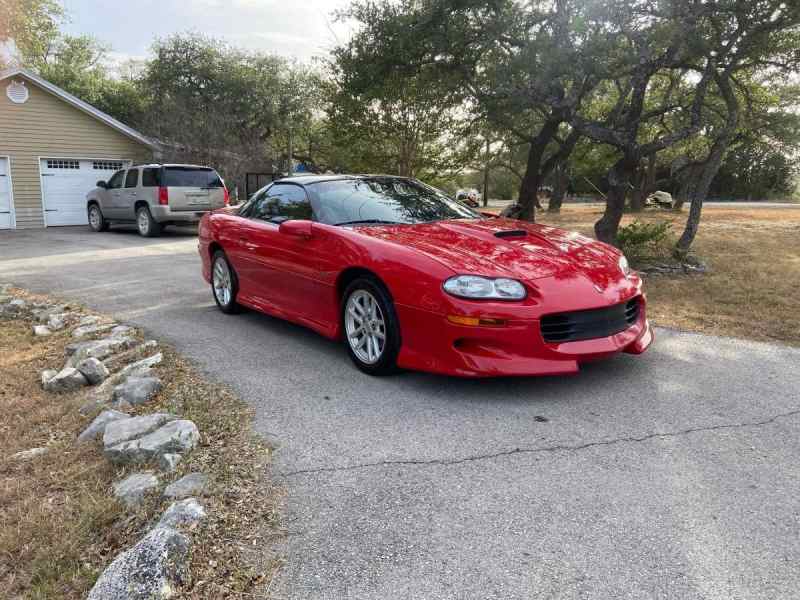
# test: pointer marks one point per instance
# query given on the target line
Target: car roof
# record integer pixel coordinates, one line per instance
(183, 166)
(309, 179)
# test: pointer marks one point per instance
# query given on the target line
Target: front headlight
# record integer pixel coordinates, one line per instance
(476, 287)
(624, 266)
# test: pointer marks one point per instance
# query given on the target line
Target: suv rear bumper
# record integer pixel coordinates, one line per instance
(163, 214)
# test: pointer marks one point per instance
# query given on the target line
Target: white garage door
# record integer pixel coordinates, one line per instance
(5, 195)
(65, 183)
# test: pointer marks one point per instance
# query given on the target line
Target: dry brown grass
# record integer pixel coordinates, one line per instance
(752, 290)
(59, 525)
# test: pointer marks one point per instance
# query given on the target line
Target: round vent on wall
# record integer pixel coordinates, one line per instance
(17, 92)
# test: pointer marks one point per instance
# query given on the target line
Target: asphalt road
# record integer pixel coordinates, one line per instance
(670, 475)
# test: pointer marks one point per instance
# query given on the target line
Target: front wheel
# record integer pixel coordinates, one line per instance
(97, 221)
(224, 283)
(371, 327)
(146, 224)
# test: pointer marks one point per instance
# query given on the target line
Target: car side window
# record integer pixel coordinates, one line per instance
(150, 177)
(132, 178)
(116, 180)
(282, 202)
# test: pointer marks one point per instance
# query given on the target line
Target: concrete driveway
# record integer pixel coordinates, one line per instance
(671, 475)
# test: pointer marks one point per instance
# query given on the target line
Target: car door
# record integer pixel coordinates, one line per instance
(284, 268)
(109, 197)
(129, 195)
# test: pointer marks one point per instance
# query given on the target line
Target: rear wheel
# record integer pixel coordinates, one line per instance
(146, 224)
(371, 327)
(224, 283)
(97, 221)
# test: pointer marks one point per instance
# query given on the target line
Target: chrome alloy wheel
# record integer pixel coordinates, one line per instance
(223, 284)
(143, 222)
(365, 326)
(94, 217)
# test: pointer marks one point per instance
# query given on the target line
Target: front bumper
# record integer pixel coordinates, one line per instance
(434, 344)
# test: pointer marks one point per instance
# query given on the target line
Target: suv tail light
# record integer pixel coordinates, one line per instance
(163, 196)
(227, 197)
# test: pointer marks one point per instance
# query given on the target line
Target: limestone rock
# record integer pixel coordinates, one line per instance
(131, 490)
(57, 322)
(66, 380)
(41, 331)
(84, 330)
(153, 569)
(174, 437)
(28, 454)
(118, 361)
(136, 390)
(89, 320)
(120, 330)
(182, 514)
(94, 370)
(97, 427)
(47, 375)
(128, 429)
(169, 462)
(97, 349)
(193, 484)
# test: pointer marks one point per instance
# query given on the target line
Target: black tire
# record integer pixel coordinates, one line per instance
(97, 222)
(231, 306)
(146, 224)
(386, 364)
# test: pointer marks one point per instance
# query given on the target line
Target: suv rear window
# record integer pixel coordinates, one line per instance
(191, 177)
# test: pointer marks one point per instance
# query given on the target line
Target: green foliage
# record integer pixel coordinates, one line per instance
(33, 26)
(641, 241)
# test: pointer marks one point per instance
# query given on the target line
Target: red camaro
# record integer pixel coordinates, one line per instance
(411, 278)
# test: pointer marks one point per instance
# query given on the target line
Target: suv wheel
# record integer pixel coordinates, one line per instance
(371, 328)
(146, 224)
(97, 221)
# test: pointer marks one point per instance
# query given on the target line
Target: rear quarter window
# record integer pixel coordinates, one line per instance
(151, 177)
(191, 177)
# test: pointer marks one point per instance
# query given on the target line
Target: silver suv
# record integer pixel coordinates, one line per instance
(153, 196)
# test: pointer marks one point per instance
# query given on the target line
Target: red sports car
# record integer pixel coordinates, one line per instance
(410, 278)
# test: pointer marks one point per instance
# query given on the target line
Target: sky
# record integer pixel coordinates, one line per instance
(302, 29)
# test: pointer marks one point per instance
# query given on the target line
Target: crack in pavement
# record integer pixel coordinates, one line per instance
(542, 449)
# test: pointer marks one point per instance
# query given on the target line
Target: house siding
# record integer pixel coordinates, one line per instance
(43, 127)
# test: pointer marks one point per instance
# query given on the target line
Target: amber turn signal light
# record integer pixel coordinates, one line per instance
(475, 321)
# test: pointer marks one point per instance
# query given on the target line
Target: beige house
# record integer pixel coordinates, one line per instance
(53, 149)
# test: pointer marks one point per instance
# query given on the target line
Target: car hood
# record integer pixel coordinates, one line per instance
(523, 250)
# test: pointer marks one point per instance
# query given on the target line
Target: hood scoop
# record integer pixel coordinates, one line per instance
(511, 233)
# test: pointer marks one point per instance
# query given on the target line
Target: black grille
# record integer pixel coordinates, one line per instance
(590, 324)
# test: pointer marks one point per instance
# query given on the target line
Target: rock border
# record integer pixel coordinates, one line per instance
(116, 369)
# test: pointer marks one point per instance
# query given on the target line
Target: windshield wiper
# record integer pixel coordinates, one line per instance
(369, 221)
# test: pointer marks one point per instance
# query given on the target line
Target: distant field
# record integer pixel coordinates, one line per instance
(752, 291)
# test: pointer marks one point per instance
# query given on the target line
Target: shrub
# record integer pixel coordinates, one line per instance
(646, 241)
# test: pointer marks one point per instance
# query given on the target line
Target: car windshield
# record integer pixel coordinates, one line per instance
(383, 200)
(191, 177)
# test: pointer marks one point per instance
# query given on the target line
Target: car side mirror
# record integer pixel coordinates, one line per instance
(296, 227)
(102, 184)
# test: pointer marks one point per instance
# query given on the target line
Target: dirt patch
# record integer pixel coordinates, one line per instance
(60, 526)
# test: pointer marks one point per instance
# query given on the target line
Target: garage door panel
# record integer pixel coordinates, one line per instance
(5, 195)
(65, 183)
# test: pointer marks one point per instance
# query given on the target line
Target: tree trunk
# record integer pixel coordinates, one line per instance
(559, 189)
(712, 164)
(646, 184)
(529, 186)
(486, 176)
(637, 193)
(618, 179)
